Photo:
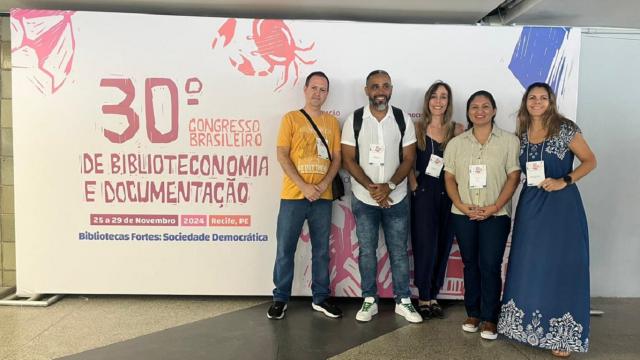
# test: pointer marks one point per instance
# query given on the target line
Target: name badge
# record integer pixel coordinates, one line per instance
(323, 153)
(376, 154)
(477, 176)
(435, 166)
(535, 172)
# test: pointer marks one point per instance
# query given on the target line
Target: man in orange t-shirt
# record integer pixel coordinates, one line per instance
(309, 168)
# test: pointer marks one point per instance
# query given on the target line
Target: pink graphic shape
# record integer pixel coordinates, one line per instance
(344, 270)
(133, 220)
(193, 220)
(272, 45)
(226, 32)
(43, 43)
(454, 277)
(193, 87)
(343, 246)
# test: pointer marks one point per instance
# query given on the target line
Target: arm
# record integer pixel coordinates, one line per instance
(336, 163)
(310, 191)
(506, 193)
(451, 185)
(413, 181)
(458, 130)
(380, 192)
(336, 157)
(350, 164)
(588, 162)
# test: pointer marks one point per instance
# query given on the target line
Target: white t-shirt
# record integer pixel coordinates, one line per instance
(384, 132)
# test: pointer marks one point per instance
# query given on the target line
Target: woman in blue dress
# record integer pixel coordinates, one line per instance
(546, 297)
(431, 228)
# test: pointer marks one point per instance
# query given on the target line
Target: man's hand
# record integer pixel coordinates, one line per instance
(323, 185)
(379, 192)
(385, 203)
(311, 192)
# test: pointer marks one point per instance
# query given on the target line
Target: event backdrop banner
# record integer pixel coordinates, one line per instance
(145, 145)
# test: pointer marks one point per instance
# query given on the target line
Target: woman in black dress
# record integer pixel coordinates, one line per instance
(431, 230)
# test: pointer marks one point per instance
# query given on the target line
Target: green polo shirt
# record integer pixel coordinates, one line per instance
(499, 153)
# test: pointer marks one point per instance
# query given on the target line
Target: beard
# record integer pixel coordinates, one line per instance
(380, 104)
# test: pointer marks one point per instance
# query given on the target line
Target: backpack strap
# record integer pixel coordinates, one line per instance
(397, 114)
(357, 125)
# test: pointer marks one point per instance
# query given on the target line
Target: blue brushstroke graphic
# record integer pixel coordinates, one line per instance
(534, 55)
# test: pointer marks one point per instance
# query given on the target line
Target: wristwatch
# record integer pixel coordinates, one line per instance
(568, 179)
(392, 186)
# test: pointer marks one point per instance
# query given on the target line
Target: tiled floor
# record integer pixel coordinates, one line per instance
(181, 327)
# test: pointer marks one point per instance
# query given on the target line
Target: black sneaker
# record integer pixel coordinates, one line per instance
(277, 309)
(436, 311)
(328, 309)
(425, 311)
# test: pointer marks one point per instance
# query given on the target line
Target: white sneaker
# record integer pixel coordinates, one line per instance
(406, 309)
(368, 309)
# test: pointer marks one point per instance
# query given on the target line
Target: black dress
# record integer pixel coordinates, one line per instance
(431, 228)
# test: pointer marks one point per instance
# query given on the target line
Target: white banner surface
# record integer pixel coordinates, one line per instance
(145, 145)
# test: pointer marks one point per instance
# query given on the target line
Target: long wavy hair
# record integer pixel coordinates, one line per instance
(551, 119)
(425, 120)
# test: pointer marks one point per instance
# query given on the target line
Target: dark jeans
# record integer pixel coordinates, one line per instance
(290, 220)
(482, 245)
(395, 225)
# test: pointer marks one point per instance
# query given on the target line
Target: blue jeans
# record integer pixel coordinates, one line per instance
(395, 225)
(482, 245)
(290, 220)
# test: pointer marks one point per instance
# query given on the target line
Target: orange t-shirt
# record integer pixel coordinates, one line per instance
(299, 136)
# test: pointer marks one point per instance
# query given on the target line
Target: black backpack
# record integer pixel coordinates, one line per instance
(357, 125)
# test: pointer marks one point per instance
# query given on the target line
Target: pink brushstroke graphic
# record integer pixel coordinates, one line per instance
(344, 271)
(343, 266)
(268, 44)
(43, 43)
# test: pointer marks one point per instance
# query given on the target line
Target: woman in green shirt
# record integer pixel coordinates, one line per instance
(481, 175)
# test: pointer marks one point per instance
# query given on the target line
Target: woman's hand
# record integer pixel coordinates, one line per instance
(470, 210)
(486, 211)
(550, 184)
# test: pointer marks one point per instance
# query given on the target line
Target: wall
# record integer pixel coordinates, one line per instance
(7, 233)
(608, 114)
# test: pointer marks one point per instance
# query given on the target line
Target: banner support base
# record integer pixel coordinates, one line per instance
(9, 297)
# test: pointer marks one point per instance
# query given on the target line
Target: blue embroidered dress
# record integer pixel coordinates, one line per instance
(546, 295)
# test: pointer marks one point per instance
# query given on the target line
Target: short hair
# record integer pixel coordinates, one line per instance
(316, 73)
(376, 72)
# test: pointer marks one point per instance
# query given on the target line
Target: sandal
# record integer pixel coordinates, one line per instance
(560, 353)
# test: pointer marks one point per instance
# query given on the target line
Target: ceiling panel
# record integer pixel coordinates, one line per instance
(591, 13)
(585, 13)
(418, 11)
